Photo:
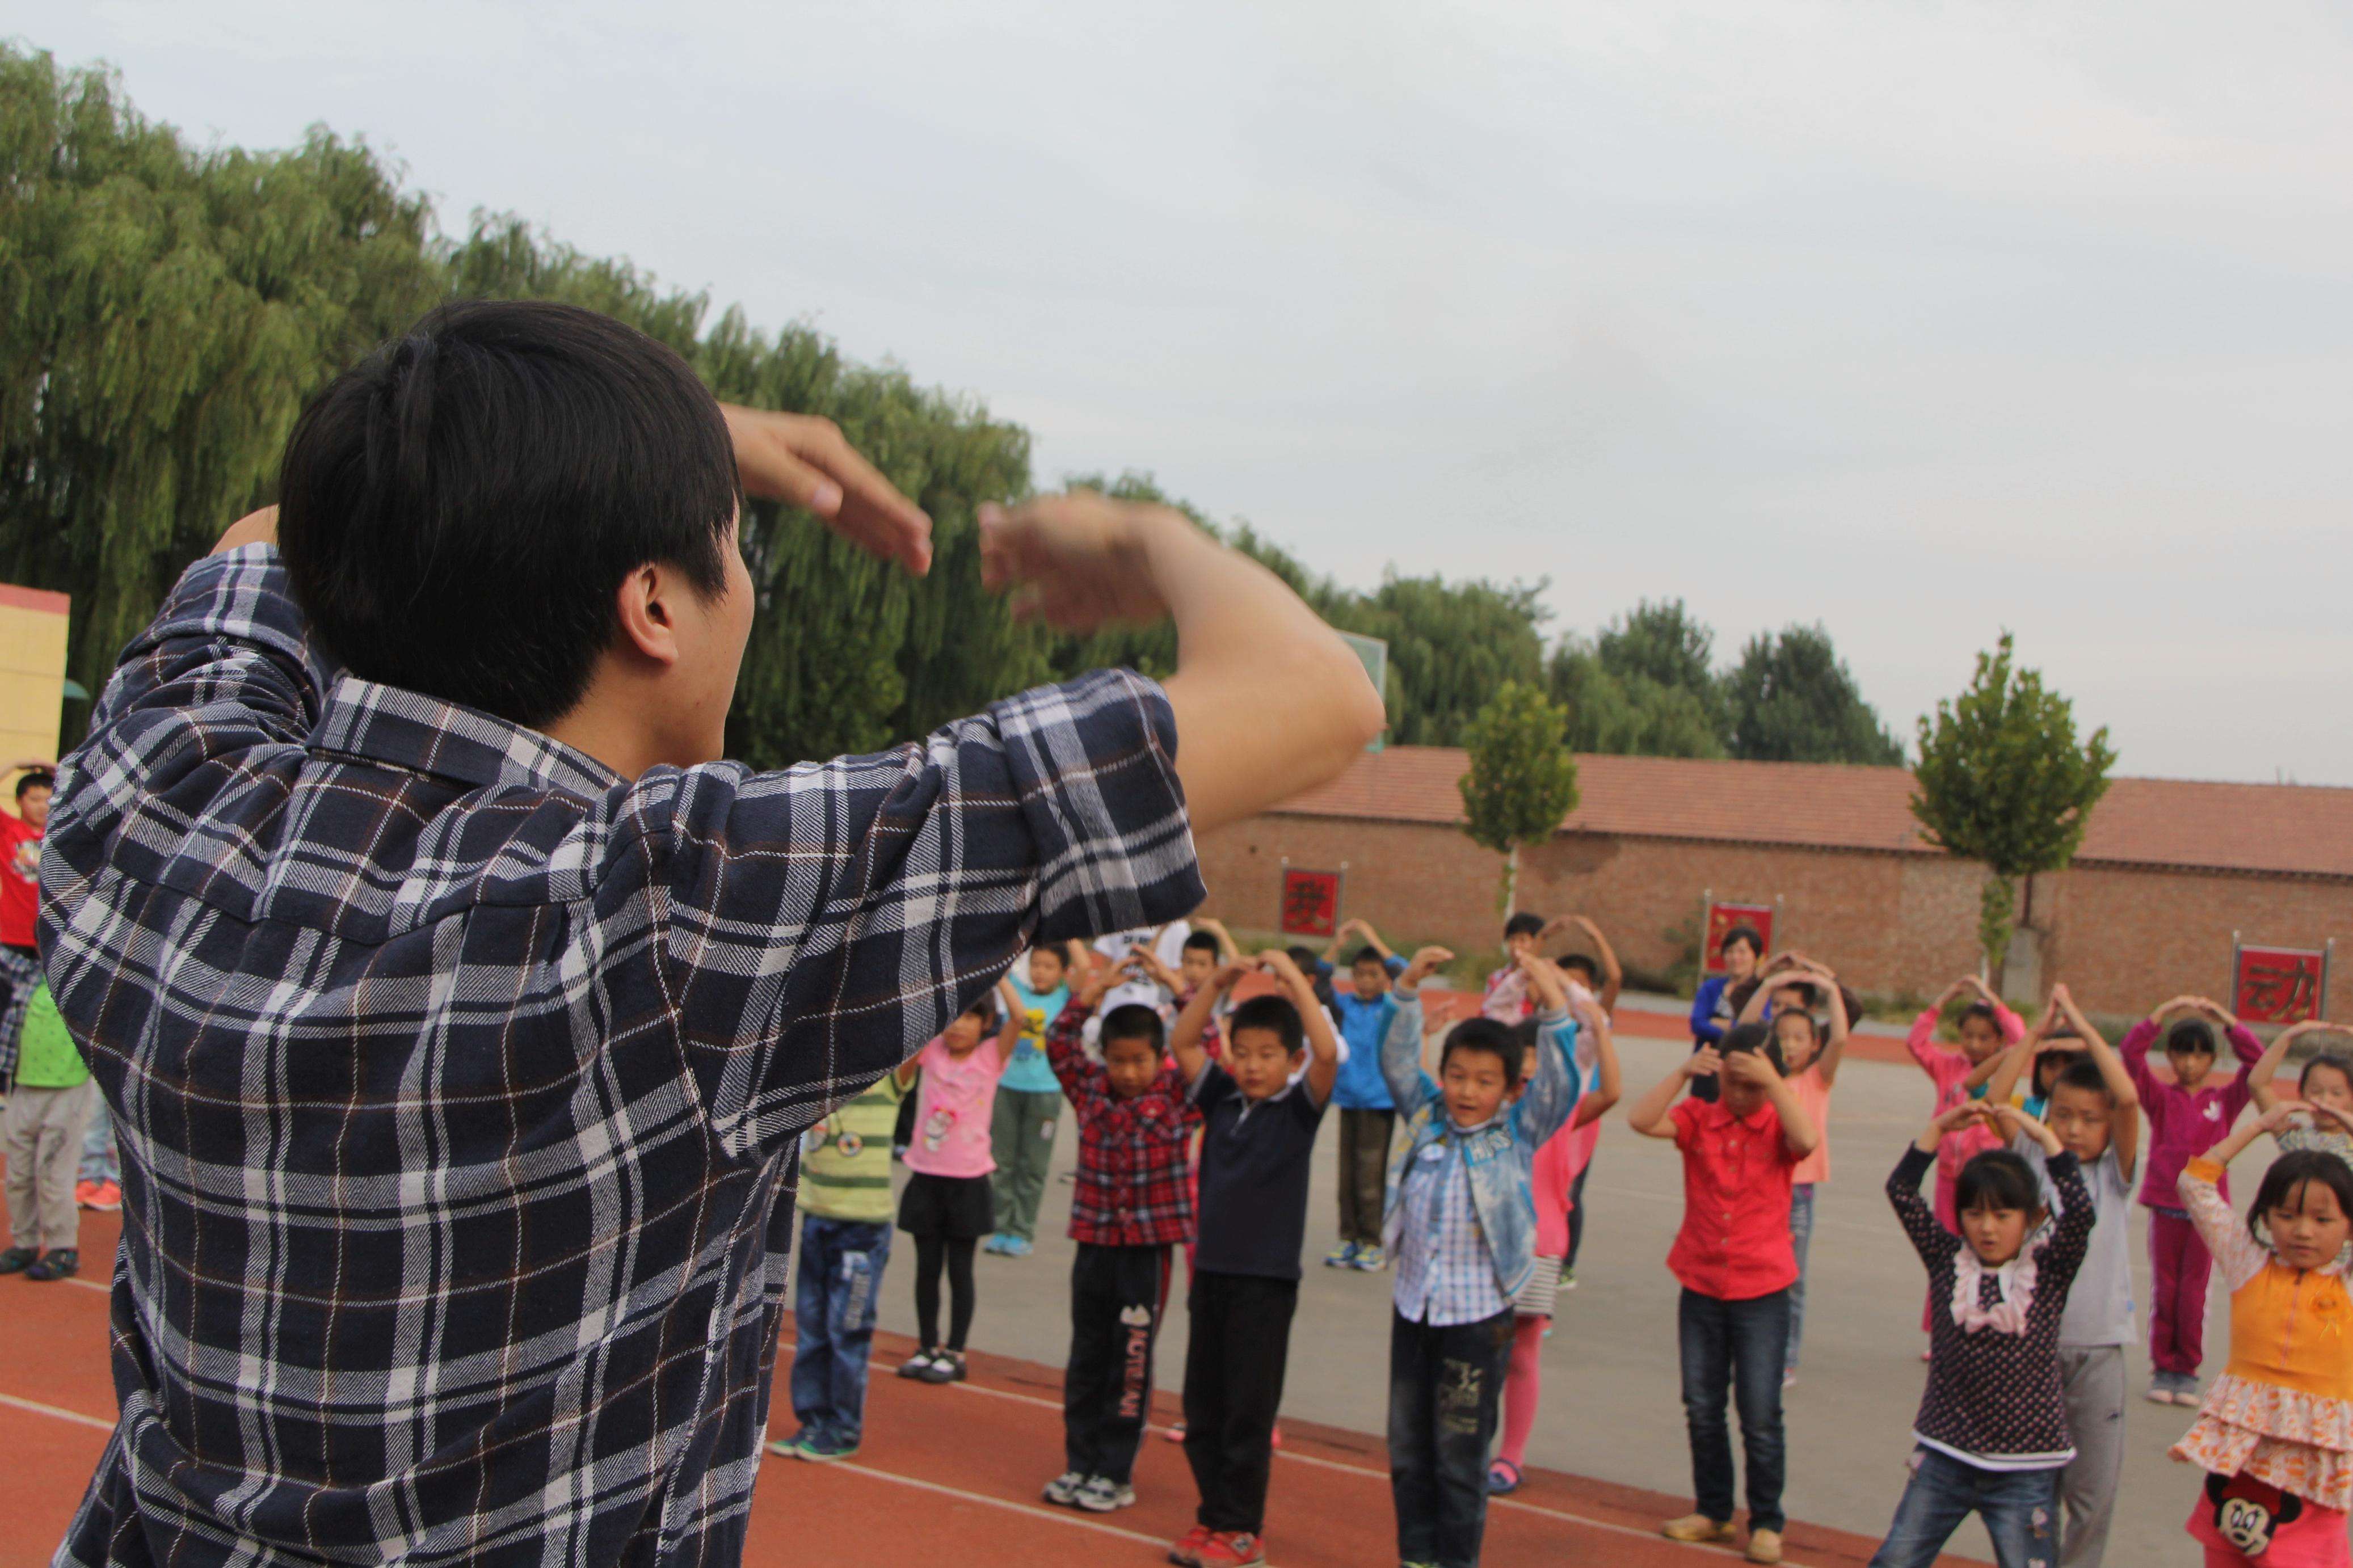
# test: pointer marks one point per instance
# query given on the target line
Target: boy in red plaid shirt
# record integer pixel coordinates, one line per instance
(1134, 1201)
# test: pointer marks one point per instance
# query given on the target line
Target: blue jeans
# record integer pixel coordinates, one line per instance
(2020, 1508)
(1735, 1348)
(1801, 1237)
(840, 1271)
(1444, 1383)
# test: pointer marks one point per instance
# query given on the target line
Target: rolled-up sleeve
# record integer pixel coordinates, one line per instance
(818, 924)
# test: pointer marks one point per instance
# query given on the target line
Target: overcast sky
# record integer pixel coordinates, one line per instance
(1918, 319)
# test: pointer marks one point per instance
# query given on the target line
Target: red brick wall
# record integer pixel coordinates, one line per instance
(2123, 940)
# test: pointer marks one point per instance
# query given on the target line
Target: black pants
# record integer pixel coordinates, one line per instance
(1234, 1362)
(1444, 1386)
(1577, 1211)
(931, 1253)
(1118, 1296)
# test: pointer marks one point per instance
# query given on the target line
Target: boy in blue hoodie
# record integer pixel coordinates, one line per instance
(1460, 1226)
(1368, 1115)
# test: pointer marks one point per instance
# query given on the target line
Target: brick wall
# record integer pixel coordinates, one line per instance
(2122, 939)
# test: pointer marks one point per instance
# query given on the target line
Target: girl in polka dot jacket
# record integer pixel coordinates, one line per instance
(1991, 1435)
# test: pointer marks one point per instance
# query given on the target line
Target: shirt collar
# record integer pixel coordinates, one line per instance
(1720, 1114)
(408, 730)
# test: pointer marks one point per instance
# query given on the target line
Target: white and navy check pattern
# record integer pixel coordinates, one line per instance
(1445, 1274)
(458, 1080)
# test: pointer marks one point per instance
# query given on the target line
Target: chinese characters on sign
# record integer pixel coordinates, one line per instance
(1721, 918)
(1310, 904)
(2278, 985)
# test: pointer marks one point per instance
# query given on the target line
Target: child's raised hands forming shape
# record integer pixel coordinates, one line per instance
(1425, 963)
(2010, 1121)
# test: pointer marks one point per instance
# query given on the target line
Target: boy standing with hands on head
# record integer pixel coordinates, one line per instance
(1261, 1116)
(1368, 1114)
(1736, 1264)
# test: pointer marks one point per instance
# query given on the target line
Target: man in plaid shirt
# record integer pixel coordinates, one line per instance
(459, 1011)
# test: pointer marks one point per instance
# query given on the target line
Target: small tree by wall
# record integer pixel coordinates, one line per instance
(2002, 781)
(1522, 777)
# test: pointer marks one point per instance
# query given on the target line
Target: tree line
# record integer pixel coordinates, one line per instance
(165, 311)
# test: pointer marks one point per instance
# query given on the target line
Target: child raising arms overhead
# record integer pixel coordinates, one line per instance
(2275, 1438)
(1987, 1027)
(1991, 1435)
(948, 1205)
(1810, 1054)
(2326, 1085)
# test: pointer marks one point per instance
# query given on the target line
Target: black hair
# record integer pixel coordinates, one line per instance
(1814, 1024)
(985, 1008)
(1504, 1042)
(458, 511)
(36, 778)
(1368, 954)
(1997, 1179)
(1056, 953)
(1758, 1038)
(2299, 1168)
(1981, 1010)
(1132, 1021)
(1202, 941)
(2060, 1061)
(1523, 924)
(2194, 1036)
(1743, 933)
(1581, 963)
(1305, 957)
(2084, 1073)
(2341, 1066)
(1274, 1013)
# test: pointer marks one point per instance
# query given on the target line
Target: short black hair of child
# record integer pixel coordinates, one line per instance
(1368, 954)
(1981, 1010)
(1202, 941)
(1748, 934)
(1504, 1042)
(2341, 1066)
(1814, 1024)
(1997, 1179)
(1305, 957)
(1274, 1013)
(2295, 1169)
(2084, 1073)
(1582, 963)
(36, 778)
(1757, 1038)
(1523, 924)
(458, 511)
(2193, 1035)
(986, 1006)
(1132, 1021)
(2056, 1063)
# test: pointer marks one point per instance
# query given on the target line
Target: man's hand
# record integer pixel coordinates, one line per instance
(1076, 561)
(253, 527)
(802, 460)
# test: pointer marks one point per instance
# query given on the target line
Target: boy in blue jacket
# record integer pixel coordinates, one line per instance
(1368, 1115)
(1462, 1224)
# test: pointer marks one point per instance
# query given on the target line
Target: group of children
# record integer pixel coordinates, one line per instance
(1196, 1119)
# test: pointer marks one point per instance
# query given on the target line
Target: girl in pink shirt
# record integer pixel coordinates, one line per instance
(1988, 1028)
(948, 1204)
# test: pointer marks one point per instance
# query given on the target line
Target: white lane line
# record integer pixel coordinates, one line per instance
(1344, 1468)
(1053, 1515)
(38, 1409)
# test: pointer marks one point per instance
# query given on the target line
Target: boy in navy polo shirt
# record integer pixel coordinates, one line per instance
(1255, 1149)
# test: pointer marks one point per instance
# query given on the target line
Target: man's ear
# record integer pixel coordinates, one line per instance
(646, 601)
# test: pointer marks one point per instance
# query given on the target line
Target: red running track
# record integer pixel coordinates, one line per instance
(951, 1470)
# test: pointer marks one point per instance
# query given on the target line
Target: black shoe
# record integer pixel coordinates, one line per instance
(17, 1259)
(948, 1366)
(55, 1264)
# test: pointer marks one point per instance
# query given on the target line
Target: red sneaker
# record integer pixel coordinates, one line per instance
(1232, 1548)
(1187, 1548)
(106, 1197)
(84, 1192)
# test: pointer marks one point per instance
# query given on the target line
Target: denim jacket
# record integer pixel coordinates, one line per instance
(1501, 1157)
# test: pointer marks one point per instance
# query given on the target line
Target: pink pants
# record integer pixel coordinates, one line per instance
(2177, 1317)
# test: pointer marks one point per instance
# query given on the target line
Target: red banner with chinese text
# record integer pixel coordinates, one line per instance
(2278, 985)
(1310, 904)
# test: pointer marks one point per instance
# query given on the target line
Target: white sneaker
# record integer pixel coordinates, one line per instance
(1062, 1491)
(1104, 1495)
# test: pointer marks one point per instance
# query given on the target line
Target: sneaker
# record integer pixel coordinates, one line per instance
(2160, 1393)
(1764, 1546)
(84, 1192)
(1063, 1489)
(1789, 1377)
(1104, 1495)
(2185, 1392)
(1504, 1479)
(1274, 1437)
(1696, 1528)
(1370, 1259)
(107, 1198)
(918, 1365)
(55, 1264)
(1186, 1548)
(1017, 1246)
(17, 1259)
(1568, 1277)
(1232, 1549)
(1173, 1432)
(948, 1366)
(825, 1447)
(790, 1448)
(995, 1246)
(1343, 1255)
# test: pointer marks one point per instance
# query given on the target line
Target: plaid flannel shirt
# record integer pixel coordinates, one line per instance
(1134, 1184)
(458, 1079)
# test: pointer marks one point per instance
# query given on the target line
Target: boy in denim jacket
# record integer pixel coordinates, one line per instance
(1460, 1226)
